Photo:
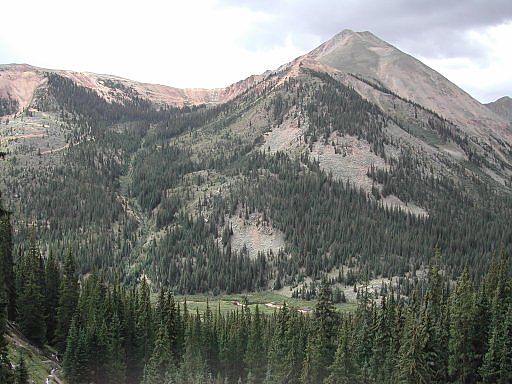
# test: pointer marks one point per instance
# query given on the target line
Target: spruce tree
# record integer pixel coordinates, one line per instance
(460, 363)
(31, 299)
(436, 317)
(160, 362)
(344, 369)
(116, 364)
(70, 356)
(52, 285)
(68, 300)
(313, 370)
(497, 361)
(6, 261)
(145, 331)
(413, 365)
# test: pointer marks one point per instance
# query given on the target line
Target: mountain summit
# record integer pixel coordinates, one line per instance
(364, 54)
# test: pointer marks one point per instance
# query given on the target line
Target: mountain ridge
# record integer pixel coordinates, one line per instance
(361, 53)
(19, 81)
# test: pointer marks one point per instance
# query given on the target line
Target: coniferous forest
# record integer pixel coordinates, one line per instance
(444, 331)
(97, 242)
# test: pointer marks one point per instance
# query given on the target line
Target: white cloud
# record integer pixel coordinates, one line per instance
(486, 78)
(212, 43)
(184, 44)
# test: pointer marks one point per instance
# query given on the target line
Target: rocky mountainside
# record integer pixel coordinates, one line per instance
(364, 54)
(502, 107)
(19, 82)
(266, 183)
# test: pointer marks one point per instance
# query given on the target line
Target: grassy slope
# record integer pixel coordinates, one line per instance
(41, 363)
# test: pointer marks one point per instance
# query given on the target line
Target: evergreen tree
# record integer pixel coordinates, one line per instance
(497, 363)
(383, 354)
(313, 370)
(144, 324)
(460, 364)
(413, 366)
(435, 317)
(344, 369)
(278, 349)
(116, 366)
(68, 300)
(52, 285)
(160, 362)
(70, 356)
(6, 261)
(31, 299)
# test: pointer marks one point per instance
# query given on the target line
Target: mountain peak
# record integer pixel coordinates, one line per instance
(364, 54)
(502, 107)
(361, 37)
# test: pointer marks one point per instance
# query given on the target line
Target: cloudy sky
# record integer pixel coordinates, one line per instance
(212, 43)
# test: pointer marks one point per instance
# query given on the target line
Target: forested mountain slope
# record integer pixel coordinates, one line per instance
(325, 165)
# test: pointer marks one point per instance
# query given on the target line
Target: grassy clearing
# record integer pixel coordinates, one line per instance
(268, 302)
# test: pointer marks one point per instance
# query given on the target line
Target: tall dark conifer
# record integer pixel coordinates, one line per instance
(6, 261)
(52, 286)
(68, 300)
(31, 300)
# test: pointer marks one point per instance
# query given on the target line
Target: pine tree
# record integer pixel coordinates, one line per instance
(365, 316)
(70, 356)
(116, 366)
(255, 357)
(313, 370)
(160, 362)
(31, 299)
(327, 321)
(382, 359)
(497, 361)
(413, 366)
(144, 323)
(68, 300)
(460, 363)
(83, 357)
(296, 338)
(435, 316)
(344, 369)
(6, 261)
(52, 284)
(277, 369)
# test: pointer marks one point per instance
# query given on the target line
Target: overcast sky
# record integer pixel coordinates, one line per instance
(212, 43)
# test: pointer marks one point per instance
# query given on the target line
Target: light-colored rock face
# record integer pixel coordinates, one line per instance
(364, 54)
(502, 107)
(19, 82)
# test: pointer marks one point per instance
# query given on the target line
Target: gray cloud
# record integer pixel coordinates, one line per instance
(425, 27)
